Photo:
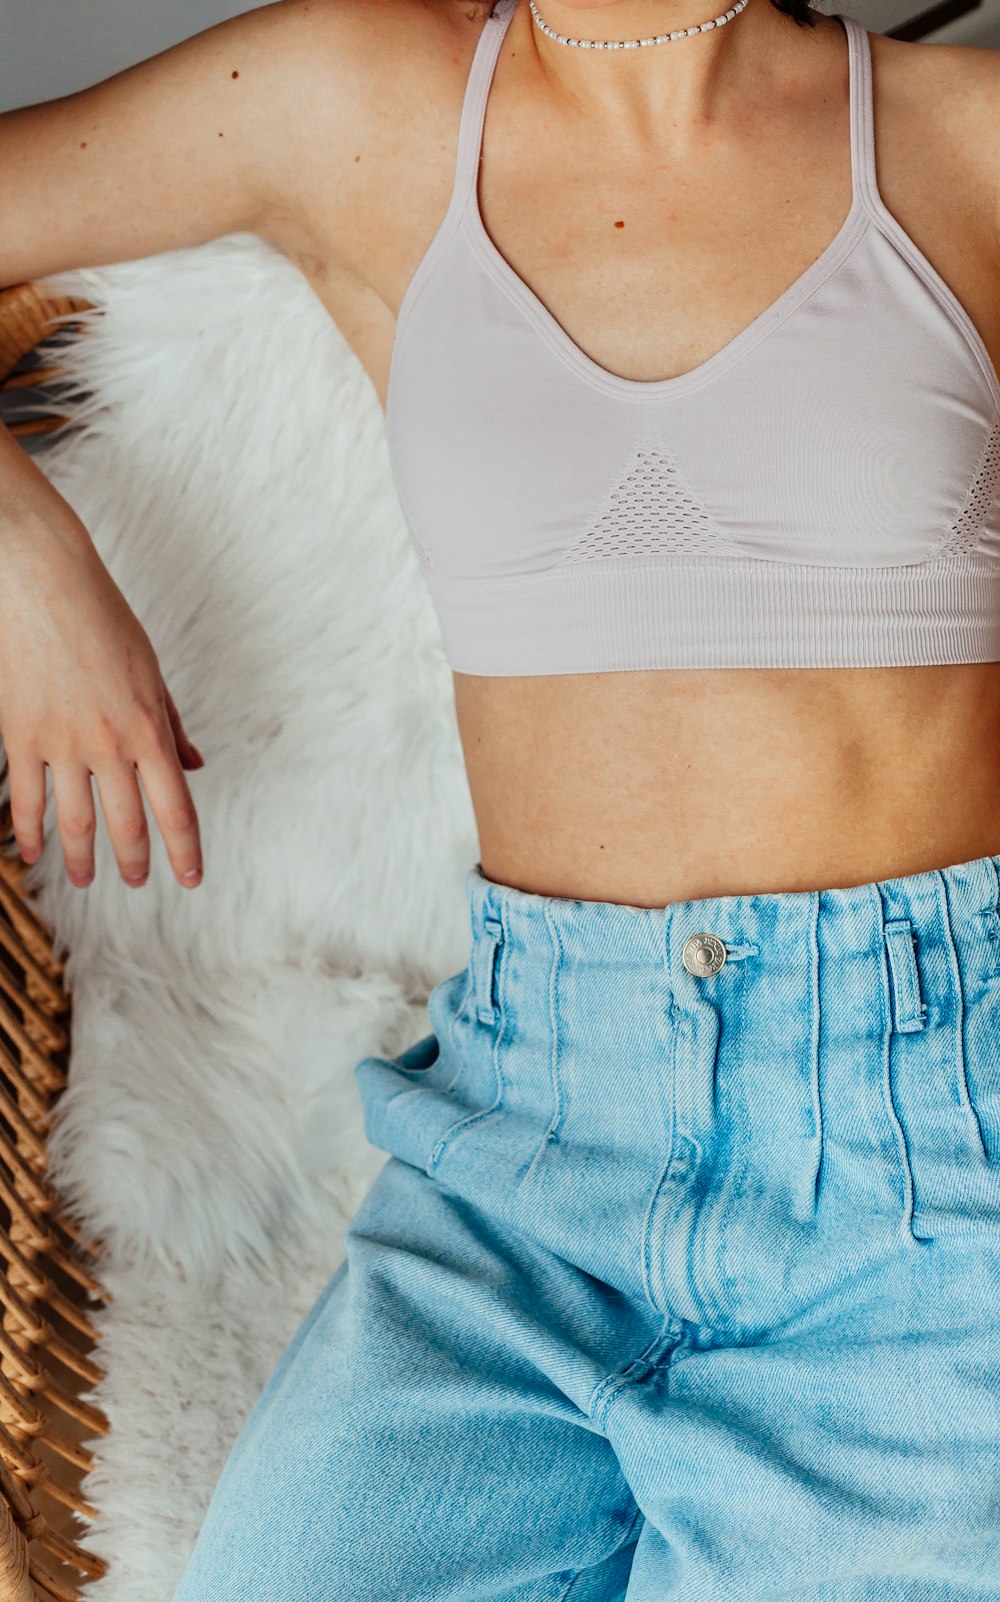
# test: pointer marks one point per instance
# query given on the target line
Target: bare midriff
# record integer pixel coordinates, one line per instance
(669, 785)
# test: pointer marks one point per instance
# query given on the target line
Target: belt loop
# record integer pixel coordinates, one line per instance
(990, 914)
(909, 1010)
(485, 952)
(993, 878)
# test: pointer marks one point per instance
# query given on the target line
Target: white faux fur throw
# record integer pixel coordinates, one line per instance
(231, 469)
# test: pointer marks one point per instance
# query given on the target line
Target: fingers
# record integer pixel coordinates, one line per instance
(173, 808)
(160, 747)
(174, 811)
(27, 802)
(76, 820)
(125, 815)
(121, 800)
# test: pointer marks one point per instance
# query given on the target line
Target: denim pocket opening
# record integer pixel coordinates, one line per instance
(421, 1057)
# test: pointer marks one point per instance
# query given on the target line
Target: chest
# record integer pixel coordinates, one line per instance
(654, 262)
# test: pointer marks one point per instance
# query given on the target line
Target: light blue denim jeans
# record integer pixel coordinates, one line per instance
(681, 1282)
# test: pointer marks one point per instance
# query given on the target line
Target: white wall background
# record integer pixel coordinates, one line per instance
(51, 47)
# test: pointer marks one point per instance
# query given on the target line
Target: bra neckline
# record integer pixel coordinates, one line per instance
(518, 290)
(464, 217)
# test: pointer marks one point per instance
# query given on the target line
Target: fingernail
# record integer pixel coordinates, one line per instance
(136, 878)
(191, 876)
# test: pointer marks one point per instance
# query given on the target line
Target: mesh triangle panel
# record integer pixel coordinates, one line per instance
(651, 512)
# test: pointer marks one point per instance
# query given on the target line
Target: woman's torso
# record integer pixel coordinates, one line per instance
(651, 786)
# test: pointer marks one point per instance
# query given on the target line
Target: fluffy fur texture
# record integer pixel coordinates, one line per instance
(231, 467)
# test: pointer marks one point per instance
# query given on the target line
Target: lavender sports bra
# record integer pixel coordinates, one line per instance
(824, 491)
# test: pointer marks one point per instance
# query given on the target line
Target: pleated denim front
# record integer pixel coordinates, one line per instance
(681, 1282)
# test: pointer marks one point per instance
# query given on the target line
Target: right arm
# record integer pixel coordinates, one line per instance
(204, 139)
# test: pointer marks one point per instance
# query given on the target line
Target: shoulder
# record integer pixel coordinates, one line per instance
(947, 96)
(358, 52)
(362, 69)
(358, 97)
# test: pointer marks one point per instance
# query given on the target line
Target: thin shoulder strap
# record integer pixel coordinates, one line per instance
(862, 110)
(477, 88)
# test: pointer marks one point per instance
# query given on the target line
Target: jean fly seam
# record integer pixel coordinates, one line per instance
(715, 1286)
(717, 1245)
(652, 1209)
(815, 1063)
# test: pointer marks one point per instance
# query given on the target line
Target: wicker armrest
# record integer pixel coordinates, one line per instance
(28, 318)
(48, 1286)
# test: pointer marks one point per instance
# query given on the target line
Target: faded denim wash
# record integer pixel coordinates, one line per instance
(676, 1286)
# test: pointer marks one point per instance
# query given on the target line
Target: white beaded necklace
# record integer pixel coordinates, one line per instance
(633, 44)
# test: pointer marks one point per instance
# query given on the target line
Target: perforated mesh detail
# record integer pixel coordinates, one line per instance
(963, 536)
(651, 512)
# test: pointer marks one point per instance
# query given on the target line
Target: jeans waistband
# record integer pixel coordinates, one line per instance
(697, 940)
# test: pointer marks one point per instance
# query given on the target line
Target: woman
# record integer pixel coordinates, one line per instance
(682, 1278)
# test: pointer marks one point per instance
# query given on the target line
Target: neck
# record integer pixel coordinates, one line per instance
(696, 78)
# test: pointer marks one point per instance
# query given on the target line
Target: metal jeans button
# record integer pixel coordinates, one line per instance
(703, 954)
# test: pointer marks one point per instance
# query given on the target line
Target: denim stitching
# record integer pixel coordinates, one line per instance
(486, 967)
(711, 1283)
(882, 995)
(640, 1368)
(653, 1209)
(551, 1134)
(453, 1022)
(908, 1008)
(964, 1096)
(729, 1285)
(991, 917)
(991, 929)
(445, 1139)
(581, 1573)
(815, 1061)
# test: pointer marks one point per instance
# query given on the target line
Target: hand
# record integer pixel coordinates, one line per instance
(81, 693)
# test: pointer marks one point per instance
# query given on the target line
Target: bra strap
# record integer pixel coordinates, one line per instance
(477, 88)
(862, 111)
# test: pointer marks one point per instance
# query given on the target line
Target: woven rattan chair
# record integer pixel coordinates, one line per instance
(48, 1282)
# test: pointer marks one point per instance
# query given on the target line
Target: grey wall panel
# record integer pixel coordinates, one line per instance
(51, 47)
